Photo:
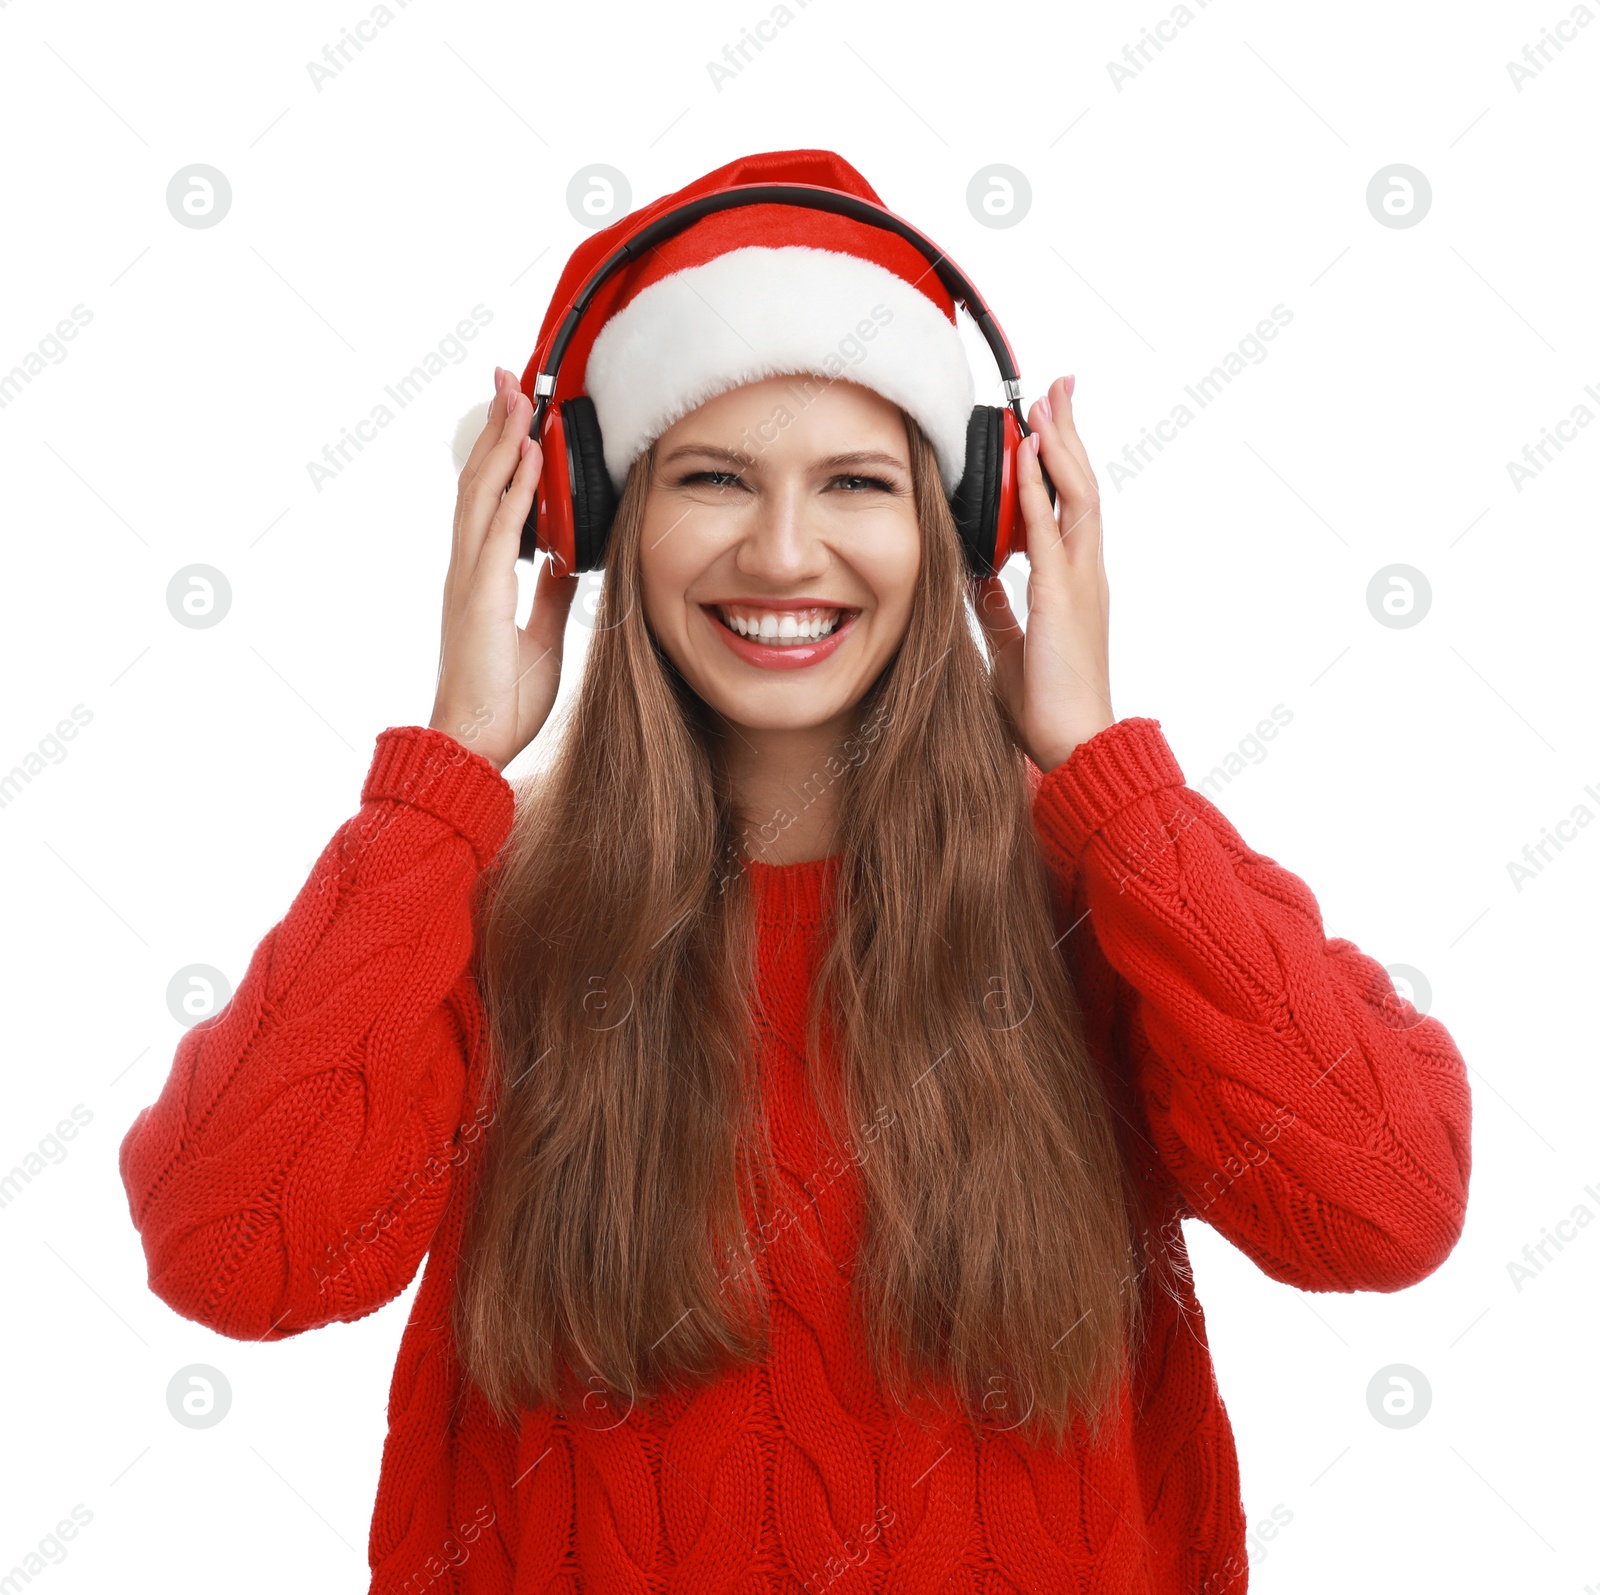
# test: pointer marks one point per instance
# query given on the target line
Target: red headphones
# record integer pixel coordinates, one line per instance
(574, 502)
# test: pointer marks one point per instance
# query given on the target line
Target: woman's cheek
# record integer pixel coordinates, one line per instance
(894, 609)
(663, 587)
(896, 584)
(678, 549)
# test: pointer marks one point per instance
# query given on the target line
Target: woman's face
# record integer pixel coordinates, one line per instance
(780, 549)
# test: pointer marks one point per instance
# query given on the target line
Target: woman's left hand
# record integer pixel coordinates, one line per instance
(1055, 678)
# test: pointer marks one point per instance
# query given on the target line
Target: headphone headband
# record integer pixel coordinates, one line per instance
(809, 196)
(574, 504)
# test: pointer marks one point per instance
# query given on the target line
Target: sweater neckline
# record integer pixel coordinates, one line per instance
(790, 891)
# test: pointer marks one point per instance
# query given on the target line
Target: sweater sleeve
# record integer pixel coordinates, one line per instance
(296, 1164)
(1300, 1106)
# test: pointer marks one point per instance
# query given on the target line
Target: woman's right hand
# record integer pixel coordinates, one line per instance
(497, 683)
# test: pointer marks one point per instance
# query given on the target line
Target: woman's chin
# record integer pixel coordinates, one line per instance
(779, 703)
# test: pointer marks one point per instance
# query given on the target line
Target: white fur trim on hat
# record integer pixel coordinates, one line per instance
(759, 312)
(466, 433)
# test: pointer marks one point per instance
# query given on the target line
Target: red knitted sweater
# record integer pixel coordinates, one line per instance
(317, 1137)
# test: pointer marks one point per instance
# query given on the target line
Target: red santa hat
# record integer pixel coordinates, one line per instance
(754, 292)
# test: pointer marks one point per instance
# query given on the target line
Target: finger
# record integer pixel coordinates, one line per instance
(481, 495)
(543, 637)
(452, 575)
(1077, 492)
(469, 469)
(493, 426)
(1044, 550)
(1057, 403)
(511, 513)
(995, 614)
(552, 602)
(497, 422)
(1060, 404)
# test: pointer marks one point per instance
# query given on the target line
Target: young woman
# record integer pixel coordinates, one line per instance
(797, 1084)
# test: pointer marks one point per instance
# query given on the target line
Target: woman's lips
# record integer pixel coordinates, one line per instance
(792, 655)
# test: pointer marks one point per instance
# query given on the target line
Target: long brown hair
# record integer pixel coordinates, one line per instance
(616, 956)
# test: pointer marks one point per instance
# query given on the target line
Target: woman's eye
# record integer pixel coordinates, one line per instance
(723, 479)
(714, 478)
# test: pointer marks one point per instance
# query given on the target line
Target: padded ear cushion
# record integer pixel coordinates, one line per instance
(975, 503)
(549, 524)
(594, 500)
(1011, 527)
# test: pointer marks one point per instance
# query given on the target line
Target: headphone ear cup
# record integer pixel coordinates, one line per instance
(975, 504)
(594, 500)
(549, 523)
(1011, 529)
(574, 503)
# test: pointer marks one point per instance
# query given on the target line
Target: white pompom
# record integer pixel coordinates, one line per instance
(466, 434)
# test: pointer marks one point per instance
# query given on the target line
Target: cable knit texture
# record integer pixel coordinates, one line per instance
(322, 1134)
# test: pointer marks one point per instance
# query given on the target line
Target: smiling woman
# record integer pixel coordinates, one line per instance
(802, 1198)
(758, 570)
(938, 984)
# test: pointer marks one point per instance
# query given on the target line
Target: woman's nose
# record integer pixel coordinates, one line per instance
(781, 545)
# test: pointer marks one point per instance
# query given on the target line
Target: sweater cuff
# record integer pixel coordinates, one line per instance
(1127, 760)
(433, 772)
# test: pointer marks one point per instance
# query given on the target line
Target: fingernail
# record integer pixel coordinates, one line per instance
(1044, 404)
(1033, 444)
(499, 377)
(1071, 383)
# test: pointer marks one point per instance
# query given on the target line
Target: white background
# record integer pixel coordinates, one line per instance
(1168, 216)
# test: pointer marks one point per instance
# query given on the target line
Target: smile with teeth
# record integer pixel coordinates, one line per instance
(788, 628)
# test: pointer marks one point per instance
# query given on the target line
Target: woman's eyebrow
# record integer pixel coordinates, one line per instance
(862, 457)
(732, 456)
(833, 462)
